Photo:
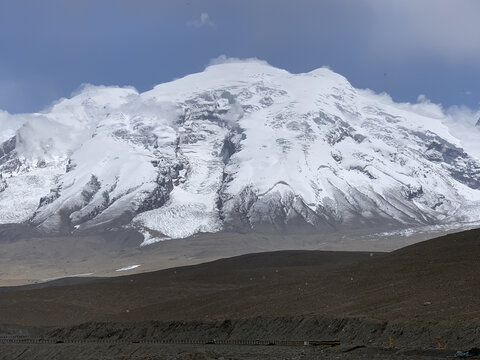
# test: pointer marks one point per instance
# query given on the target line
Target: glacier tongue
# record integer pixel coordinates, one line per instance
(239, 147)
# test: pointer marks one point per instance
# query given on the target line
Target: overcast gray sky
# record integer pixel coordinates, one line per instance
(49, 48)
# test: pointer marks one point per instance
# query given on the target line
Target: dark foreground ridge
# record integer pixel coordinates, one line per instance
(423, 296)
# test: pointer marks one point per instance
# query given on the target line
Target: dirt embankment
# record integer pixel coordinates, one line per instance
(354, 331)
(235, 339)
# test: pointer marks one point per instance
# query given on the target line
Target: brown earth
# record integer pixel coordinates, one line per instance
(414, 294)
(28, 258)
(436, 280)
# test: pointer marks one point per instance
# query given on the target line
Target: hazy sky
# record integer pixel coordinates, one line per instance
(48, 48)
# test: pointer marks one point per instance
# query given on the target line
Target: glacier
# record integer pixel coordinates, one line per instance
(242, 146)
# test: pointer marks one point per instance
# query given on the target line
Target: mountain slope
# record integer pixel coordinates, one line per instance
(239, 147)
(436, 281)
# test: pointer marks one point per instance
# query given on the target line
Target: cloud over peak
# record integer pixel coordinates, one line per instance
(224, 59)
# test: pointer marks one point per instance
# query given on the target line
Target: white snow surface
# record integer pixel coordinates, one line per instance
(239, 146)
(130, 267)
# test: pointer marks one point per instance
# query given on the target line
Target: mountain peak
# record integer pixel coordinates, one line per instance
(242, 146)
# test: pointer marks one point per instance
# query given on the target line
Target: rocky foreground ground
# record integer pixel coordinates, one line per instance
(209, 352)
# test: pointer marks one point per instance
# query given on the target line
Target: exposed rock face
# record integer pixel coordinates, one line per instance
(239, 147)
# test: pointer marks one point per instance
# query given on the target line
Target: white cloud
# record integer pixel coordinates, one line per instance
(9, 124)
(91, 88)
(204, 20)
(460, 120)
(224, 59)
(447, 28)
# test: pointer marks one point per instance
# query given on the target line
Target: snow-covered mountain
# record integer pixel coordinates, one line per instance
(238, 147)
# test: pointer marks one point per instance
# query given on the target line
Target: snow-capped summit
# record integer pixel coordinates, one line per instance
(241, 146)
